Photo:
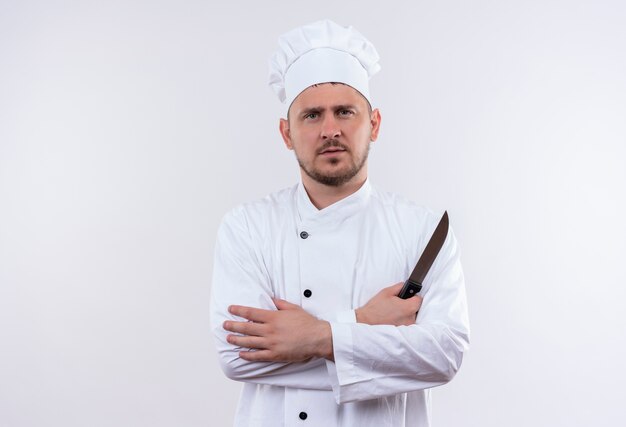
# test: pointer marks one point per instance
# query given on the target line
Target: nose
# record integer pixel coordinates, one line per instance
(330, 127)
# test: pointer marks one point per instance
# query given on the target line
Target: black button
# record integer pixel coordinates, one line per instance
(303, 415)
(304, 234)
(308, 293)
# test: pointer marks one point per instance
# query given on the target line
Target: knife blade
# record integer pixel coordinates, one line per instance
(414, 283)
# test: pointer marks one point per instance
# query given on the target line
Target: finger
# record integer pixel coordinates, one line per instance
(247, 342)
(281, 304)
(416, 302)
(246, 328)
(394, 289)
(255, 314)
(257, 356)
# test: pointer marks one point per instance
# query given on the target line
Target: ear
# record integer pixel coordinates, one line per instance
(285, 133)
(375, 123)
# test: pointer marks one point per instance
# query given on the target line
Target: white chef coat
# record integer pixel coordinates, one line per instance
(342, 255)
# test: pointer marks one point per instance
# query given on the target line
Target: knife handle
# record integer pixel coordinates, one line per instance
(410, 289)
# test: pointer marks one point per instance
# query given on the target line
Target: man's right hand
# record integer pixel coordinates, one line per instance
(386, 308)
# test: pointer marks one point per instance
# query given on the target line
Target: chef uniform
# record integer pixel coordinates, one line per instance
(330, 262)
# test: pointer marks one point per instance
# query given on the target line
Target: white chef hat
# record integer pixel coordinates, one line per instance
(321, 52)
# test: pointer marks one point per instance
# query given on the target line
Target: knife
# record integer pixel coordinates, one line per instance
(414, 283)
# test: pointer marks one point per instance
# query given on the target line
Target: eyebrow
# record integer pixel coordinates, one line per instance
(334, 108)
(310, 110)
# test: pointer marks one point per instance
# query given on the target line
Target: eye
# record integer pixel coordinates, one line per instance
(345, 113)
(311, 116)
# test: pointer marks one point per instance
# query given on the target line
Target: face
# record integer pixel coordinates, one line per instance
(330, 129)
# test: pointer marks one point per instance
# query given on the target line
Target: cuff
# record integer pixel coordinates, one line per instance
(346, 316)
(343, 370)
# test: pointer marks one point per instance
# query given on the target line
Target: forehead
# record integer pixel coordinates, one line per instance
(327, 95)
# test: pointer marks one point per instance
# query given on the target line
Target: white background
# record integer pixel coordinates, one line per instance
(128, 128)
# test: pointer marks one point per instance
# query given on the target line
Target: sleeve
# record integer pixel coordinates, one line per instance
(239, 277)
(381, 360)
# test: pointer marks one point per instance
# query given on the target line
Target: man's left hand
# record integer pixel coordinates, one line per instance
(288, 334)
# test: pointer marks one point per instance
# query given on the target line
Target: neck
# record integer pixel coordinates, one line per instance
(322, 195)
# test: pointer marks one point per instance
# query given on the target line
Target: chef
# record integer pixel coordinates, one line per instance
(304, 306)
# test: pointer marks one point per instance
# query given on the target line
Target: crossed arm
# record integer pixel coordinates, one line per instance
(290, 334)
(377, 350)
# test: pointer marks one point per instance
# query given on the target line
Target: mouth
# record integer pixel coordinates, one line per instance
(332, 150)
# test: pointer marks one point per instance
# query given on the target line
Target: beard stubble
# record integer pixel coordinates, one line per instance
(339, 178)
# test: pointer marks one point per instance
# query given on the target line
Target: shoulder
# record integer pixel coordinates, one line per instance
(413, 223)
(407, 212)
(253, 214)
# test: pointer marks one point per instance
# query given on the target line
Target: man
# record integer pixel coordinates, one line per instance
(304, 304)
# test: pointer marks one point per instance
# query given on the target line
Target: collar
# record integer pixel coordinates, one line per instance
(338, 211)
